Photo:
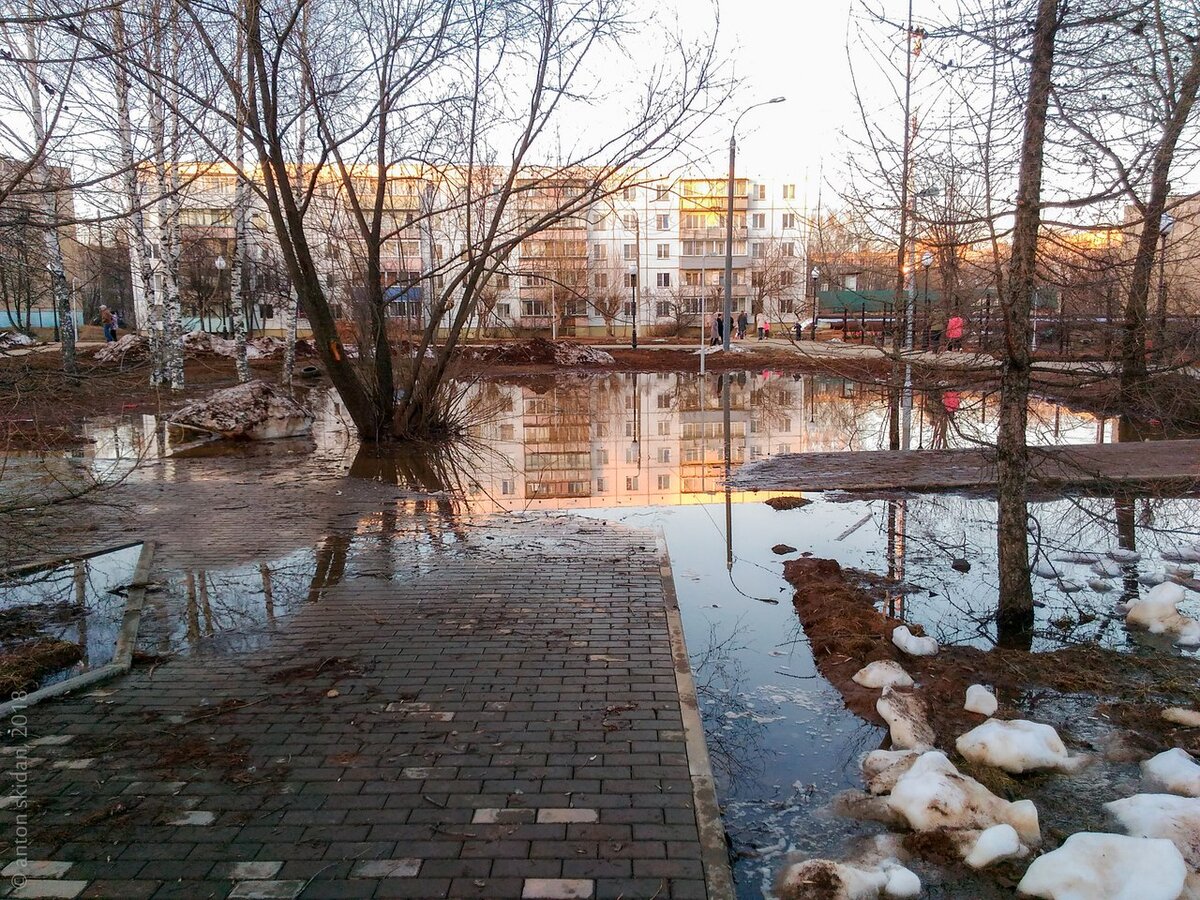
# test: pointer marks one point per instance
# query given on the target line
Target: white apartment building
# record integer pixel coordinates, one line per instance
(652, 254)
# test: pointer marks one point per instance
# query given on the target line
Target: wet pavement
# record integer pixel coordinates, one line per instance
(490, 711)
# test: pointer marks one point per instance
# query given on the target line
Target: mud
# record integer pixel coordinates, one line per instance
(846, 629)
(22, 668)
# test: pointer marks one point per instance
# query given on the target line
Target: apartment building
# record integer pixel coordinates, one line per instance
(650, 254)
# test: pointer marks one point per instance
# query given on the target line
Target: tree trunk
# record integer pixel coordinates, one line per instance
(241, 200)
(139, 253)
(170, 344)
(1133, 338)
(48, 194)
(1015, 615)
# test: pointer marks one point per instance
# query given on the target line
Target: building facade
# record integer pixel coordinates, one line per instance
(650, 253)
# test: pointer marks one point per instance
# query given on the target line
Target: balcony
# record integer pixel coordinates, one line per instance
(715, 261)
(716, 232)
(711, 204)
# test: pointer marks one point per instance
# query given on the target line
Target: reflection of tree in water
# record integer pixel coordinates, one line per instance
(733, 728)
(1069, 532)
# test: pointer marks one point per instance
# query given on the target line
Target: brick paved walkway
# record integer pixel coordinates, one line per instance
(497, 716)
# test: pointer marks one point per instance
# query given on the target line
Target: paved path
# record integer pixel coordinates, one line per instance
(1093, 465)
(499, 709)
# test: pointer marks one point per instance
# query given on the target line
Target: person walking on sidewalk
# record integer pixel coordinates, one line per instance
(715, 331)
(760, 322)
(936, 327)
(110, 324)
(954, 332)
(742, 322)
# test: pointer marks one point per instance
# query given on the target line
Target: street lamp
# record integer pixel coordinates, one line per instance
(728, 310)
(219, 263)
(926, 262)
(816, 275)
(1166, 225)
(633, 300)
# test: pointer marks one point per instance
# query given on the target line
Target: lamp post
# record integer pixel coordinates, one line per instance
(633, 300)
(219, 264)
(816, 304)
(1165, 226)
(727, 313)
(926, 262)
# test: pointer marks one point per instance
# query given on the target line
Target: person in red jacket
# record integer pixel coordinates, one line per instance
(954, 332)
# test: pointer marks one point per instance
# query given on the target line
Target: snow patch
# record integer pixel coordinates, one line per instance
(1014, 746)
(981, 700)
(881, 674)
(1090, 866)
(907, 716)
(911, 644)
(1173, 771)
(994, 844)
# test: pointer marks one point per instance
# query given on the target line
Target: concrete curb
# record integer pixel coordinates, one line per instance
(718, 877)
(122, 655)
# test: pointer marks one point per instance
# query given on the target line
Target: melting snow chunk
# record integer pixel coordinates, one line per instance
(881, 674)
(933, 795)
(980, 700)
(911, 644)
(1173, 771)
(1043, 568)
(1158, 613)
(996, 843)
(1176, 819)
(1189, 718)
(1124, 555)
(1016, 746)
(1091, 866)
(908, 719)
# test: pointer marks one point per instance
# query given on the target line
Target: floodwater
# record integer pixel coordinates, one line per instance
(651, 450)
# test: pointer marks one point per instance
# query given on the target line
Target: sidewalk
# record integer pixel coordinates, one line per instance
(501, 709)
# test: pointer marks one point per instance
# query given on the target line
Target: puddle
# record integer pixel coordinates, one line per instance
(79, 604)
(650, 450)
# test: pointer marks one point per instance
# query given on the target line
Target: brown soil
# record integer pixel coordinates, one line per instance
(20, 622)
(847, 631)
(29, 422)
(22, 668)
(779, 504)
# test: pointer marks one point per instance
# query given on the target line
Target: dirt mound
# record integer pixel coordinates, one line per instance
(541, 352)
(256, 410)
(846, 630)
(779, 504)
(131, 348)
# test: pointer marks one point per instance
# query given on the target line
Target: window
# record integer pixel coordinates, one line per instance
(789, 220)
(507, 487)
(756, 279)
(788, 248)
(631, 482)
(630, 279)
(664, 251)
(783, 448)
(664, 454)
(506, 432)
(535, 308)
(662, 222)
(664, 482)
(692, 279)
(664, 428)
(663, 401)
(502, 283)
(789, 192)
(758, 220)
(629, 221)
(787, 278)
(628, 309)
(662, 309)
(600, 280)
(602, 457)
(662, 192)
(760, 192)
(602, 222)
(439, 282)
(503, 310)
(663, 279)
(438, 251)
(630, 251)
(599, 251)
(601, 486)
(756, 250)
(629, 193)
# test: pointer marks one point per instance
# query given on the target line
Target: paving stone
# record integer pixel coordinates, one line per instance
(387, 868)
(556, 888)
(35, 868)
(550, 815)
(502, 816)
(253, 869)
(39, 888)
(266, 890)
(193, 817)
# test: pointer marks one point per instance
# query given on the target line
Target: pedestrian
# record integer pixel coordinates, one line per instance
(954, 332)
(742, 323)
(936, 326)
(766, 327)
(110, 324)
(718, 334)
(760, 323)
